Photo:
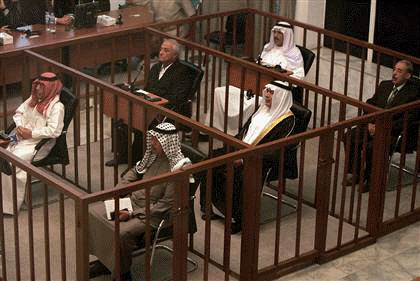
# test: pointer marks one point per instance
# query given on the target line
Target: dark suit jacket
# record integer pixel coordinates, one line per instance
(175, 84)
(407, 94)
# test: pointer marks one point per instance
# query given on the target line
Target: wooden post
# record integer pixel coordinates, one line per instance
(323, 185)
(181, 223)
(82, 228)
(379, 159)
(250, 217)
(249, 36)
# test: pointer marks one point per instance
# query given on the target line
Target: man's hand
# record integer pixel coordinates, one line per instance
(24, 133)
(371, 129)
(64, 20)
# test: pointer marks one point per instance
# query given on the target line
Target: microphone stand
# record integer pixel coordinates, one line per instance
(131, 85)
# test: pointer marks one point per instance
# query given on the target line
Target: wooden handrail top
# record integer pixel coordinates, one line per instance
(310, 27)
(62, 185)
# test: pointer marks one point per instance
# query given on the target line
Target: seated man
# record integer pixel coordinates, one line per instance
(163, 154)
(390, 93)
(272, 121)
(168, 79)
(169, 10)
(280, 51)
(40, 116)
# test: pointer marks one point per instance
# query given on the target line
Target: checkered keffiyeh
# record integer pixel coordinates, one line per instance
(167, 135)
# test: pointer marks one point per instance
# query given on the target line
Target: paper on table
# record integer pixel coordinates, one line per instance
(125, 203)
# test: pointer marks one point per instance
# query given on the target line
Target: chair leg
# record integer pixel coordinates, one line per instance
(290, 204)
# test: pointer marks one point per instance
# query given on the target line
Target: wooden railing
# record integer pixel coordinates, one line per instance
(335, 219)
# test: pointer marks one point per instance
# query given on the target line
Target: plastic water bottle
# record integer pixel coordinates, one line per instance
(47, 20)
(52, 23)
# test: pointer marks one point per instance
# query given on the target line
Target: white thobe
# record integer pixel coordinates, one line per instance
(49, 126)
(276, 57)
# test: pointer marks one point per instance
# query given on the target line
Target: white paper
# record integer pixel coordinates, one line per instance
(125, 203)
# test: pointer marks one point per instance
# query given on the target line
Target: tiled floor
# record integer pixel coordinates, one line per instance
(393, 257)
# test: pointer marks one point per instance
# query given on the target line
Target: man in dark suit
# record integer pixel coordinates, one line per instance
(390, 93)
(168, 79)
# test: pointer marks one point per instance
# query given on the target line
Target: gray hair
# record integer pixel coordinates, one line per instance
(408, 64)
(174, 43)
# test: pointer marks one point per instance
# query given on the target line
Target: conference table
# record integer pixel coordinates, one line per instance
(77, 48)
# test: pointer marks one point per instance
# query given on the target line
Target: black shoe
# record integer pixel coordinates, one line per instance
(213, 216)
(126, 276)
(236, 227)
(115, 162)
(97, 268)
(203, 137)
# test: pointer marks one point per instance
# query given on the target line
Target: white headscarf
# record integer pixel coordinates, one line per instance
(281, 103)
(167, 135)
(288, 55)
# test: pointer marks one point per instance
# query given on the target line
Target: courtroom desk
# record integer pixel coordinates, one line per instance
(250, 81)
(141, 116)
(96, 43)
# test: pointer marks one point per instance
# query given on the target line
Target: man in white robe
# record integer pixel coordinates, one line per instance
(282, 51)
(40, 116)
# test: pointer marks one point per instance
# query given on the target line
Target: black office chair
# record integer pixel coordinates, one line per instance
(195, 76)
(302, 118)
(165, 231)
(215, 37)
(53, 151)
(308, 58)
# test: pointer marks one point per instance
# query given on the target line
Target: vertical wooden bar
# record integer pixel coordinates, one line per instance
(228, 219)
(95, 114)
(30, 226)
(2, 242)
(378, 68)
(362, 76)
(207, 227)
(62, 237)
(249, 35)
(415, 177)
(250, 217)
(226, 113)
(318, 53)
(114, 129)
(47, 235)
(3, 95)
(323, 184)
(179, 260)
(88, 161)
(361, 180)
(16, 224)
(280, 190)
(101, 137)
(82, 243)
(117, 247)
(331, 80)
(402, 165)
(76, 131)
(234, 39)
(377, 193)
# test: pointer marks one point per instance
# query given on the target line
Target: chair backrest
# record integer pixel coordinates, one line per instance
(195, 157)
(59, 153)
(308, 58)
(195, 75)
(240, 27)
(302, 118)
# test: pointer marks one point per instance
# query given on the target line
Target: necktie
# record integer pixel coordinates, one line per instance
(392, 95)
